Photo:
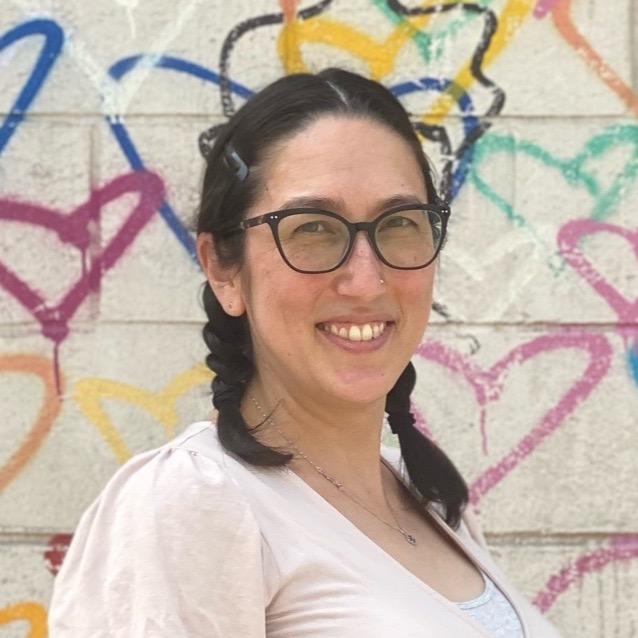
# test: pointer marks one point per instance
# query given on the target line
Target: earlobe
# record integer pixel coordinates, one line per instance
(225, 282)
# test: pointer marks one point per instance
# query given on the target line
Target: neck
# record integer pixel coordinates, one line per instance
(342, 438)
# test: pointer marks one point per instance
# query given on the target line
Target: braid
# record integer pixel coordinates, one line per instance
(230, 358)
(430, 470)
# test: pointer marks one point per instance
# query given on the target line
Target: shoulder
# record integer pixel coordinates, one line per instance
(186, 477)
(185, 484)
(171, 539)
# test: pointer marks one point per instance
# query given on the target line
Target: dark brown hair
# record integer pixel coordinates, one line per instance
(272, 116)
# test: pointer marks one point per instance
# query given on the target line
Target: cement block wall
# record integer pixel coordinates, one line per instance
(528, 375)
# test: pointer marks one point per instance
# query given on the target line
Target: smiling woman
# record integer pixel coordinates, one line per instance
(318, 234)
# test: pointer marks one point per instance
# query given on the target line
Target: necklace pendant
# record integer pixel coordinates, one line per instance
(410, 539)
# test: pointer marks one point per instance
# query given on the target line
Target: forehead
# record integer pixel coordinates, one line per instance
(356, 163)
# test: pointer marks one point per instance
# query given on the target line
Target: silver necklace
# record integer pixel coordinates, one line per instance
(409, 538)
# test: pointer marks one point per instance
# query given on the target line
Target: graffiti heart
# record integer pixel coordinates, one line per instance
(572, 244)
(78, 229)
(619, 549)
(488, 385)
(53, 41)
(497, 35)
(560, 11)
(500, 35)
(577, 171)
(26, 448)
(34, 614)
(89, 393)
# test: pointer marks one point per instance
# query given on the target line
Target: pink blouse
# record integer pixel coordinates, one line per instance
(186, 541)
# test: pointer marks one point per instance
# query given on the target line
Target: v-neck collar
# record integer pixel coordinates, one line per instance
(358, 536)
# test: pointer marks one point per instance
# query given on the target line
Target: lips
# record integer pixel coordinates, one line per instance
(354, 331)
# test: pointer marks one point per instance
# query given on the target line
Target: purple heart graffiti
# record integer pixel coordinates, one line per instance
(79, 230)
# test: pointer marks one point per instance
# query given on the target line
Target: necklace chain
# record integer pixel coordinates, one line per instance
(409, 538)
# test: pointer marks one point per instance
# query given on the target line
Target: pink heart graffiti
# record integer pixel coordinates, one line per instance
(488, 386)
(619, 549)
(569, 238)
(78, 229)
(569, 243)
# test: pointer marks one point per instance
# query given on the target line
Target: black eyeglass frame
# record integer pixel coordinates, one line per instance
(273, 219)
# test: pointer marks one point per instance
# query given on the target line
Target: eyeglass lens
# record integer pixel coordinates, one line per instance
(314, 241)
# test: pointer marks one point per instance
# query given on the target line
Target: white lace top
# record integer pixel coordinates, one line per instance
(494, 612)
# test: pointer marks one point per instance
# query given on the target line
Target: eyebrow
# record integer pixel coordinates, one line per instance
(338, 205)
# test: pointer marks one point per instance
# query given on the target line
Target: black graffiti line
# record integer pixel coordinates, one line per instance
(438, 134)
(241, 29)
(478, 56)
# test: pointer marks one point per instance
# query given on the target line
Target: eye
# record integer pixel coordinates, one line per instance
(399, 222)
(395, 222)
(313, 227)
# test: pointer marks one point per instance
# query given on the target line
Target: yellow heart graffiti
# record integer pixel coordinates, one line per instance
(34, 613)
(88, 394)
(380, 56)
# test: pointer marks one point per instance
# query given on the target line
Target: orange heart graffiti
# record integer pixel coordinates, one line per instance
(42, 368)
(563, 21)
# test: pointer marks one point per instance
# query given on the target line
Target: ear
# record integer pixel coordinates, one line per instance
(225, 282)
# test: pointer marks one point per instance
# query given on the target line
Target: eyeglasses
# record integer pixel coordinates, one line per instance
(311, 240)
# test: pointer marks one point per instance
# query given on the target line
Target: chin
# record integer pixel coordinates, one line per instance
(362, 391)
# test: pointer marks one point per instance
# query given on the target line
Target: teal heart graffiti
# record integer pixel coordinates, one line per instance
(573, 169)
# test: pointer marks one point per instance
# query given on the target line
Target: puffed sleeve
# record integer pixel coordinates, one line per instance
(170, 549)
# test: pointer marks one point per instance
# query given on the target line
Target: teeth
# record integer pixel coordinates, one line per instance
(365, 332)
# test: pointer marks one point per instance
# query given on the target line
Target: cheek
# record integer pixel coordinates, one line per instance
(280, 302)
(417, 295)
(261, 266)
(419, 286)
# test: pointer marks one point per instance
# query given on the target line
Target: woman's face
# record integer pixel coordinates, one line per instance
(358, 169)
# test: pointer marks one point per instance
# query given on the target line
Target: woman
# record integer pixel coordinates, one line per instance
(318, 232)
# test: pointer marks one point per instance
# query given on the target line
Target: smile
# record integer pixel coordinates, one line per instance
(362, 332)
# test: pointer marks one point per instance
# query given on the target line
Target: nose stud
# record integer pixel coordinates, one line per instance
(381, 281)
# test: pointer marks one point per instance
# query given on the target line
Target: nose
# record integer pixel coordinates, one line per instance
(362, 273)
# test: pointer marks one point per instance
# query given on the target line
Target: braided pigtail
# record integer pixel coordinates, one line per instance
(237, 155)
(230, 358)
(430, 470)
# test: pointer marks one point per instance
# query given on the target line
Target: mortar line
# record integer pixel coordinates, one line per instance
(25, 536)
